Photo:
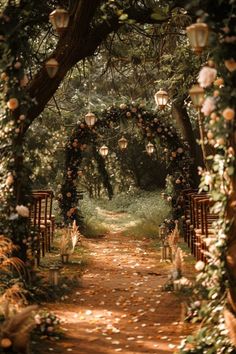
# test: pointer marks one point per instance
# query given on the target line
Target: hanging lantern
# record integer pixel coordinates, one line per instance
(150, 148)
(90, 119)
(103, 151)
(161, 98)
(52, 66)
(197, 95)
(122, 142)
(198, 36)
(59, 18)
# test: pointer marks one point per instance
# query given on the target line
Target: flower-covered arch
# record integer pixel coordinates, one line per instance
(152, 126)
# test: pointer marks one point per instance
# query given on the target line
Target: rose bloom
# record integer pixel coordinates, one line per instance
(208, 106)
(230, 64)
(228, 113)
(22, 211)
(199, 266)
(206, 76)
(13, 103)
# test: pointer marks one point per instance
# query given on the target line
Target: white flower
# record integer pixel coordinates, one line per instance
(22, 211)
(206, 76)
(13, 216)
(208, 179)
(208, 106)
(180, 150)
(199, 266)
(37, 319)
(123, 106)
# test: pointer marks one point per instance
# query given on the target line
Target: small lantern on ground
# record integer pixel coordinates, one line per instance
(150, 148)
(54, 275)
(162, 232)
(103, 151)
(123, 143)
(90, 119)
(161, 98)
(198, 34)
(52, 66)
(59, 18)
(197, 95)
(65, 258)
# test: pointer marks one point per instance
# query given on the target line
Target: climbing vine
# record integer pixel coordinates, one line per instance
(151, 126)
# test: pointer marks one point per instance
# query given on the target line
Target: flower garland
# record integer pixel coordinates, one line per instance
(152, 126)
(215, 282)
(14, 174)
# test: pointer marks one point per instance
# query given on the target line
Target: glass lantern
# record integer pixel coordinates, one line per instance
(198, 34)
(150, 148)
(197, 95)
(52, 67)
(103, 151)
(161, 98)
(90, 119)
(59, 18)
(123, 143)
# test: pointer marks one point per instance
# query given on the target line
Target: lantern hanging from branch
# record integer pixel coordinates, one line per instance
(90, 119)
(161, 98)
(198, 34)
(197, 95)
(123, 143)
(59, 18)
(52, 67)
(103, 150)
(150, 148)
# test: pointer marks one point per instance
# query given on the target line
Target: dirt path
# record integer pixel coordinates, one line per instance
(121, 306)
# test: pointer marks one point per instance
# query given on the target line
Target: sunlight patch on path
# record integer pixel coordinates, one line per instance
(117, 221)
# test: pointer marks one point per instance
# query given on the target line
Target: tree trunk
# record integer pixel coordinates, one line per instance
(181, 116)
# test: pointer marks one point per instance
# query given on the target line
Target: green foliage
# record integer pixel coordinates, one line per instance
(15, 175)
(217, 276)
(148, 210)
(93, 223)
(151, 127)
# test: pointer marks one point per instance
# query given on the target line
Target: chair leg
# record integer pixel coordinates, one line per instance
(43, 243)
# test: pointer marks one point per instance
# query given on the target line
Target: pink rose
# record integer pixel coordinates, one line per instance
(206, 76)
(208, 106)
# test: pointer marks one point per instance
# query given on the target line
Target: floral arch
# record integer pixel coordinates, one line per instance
(152, 126)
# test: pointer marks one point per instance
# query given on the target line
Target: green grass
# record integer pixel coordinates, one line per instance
(138, 214)
(94, 227)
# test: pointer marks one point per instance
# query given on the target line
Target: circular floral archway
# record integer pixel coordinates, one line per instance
(152, 126)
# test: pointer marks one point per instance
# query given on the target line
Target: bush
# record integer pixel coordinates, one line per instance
(94, 225)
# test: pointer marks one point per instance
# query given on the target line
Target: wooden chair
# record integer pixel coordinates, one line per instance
(48, 219)
(35, 218)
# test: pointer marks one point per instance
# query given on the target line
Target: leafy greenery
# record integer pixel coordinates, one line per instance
(148, 126)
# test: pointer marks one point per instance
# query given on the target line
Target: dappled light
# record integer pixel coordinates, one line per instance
(121, 305)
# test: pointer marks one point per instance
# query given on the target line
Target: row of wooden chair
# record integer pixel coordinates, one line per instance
(42, 223)
(198, 222)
